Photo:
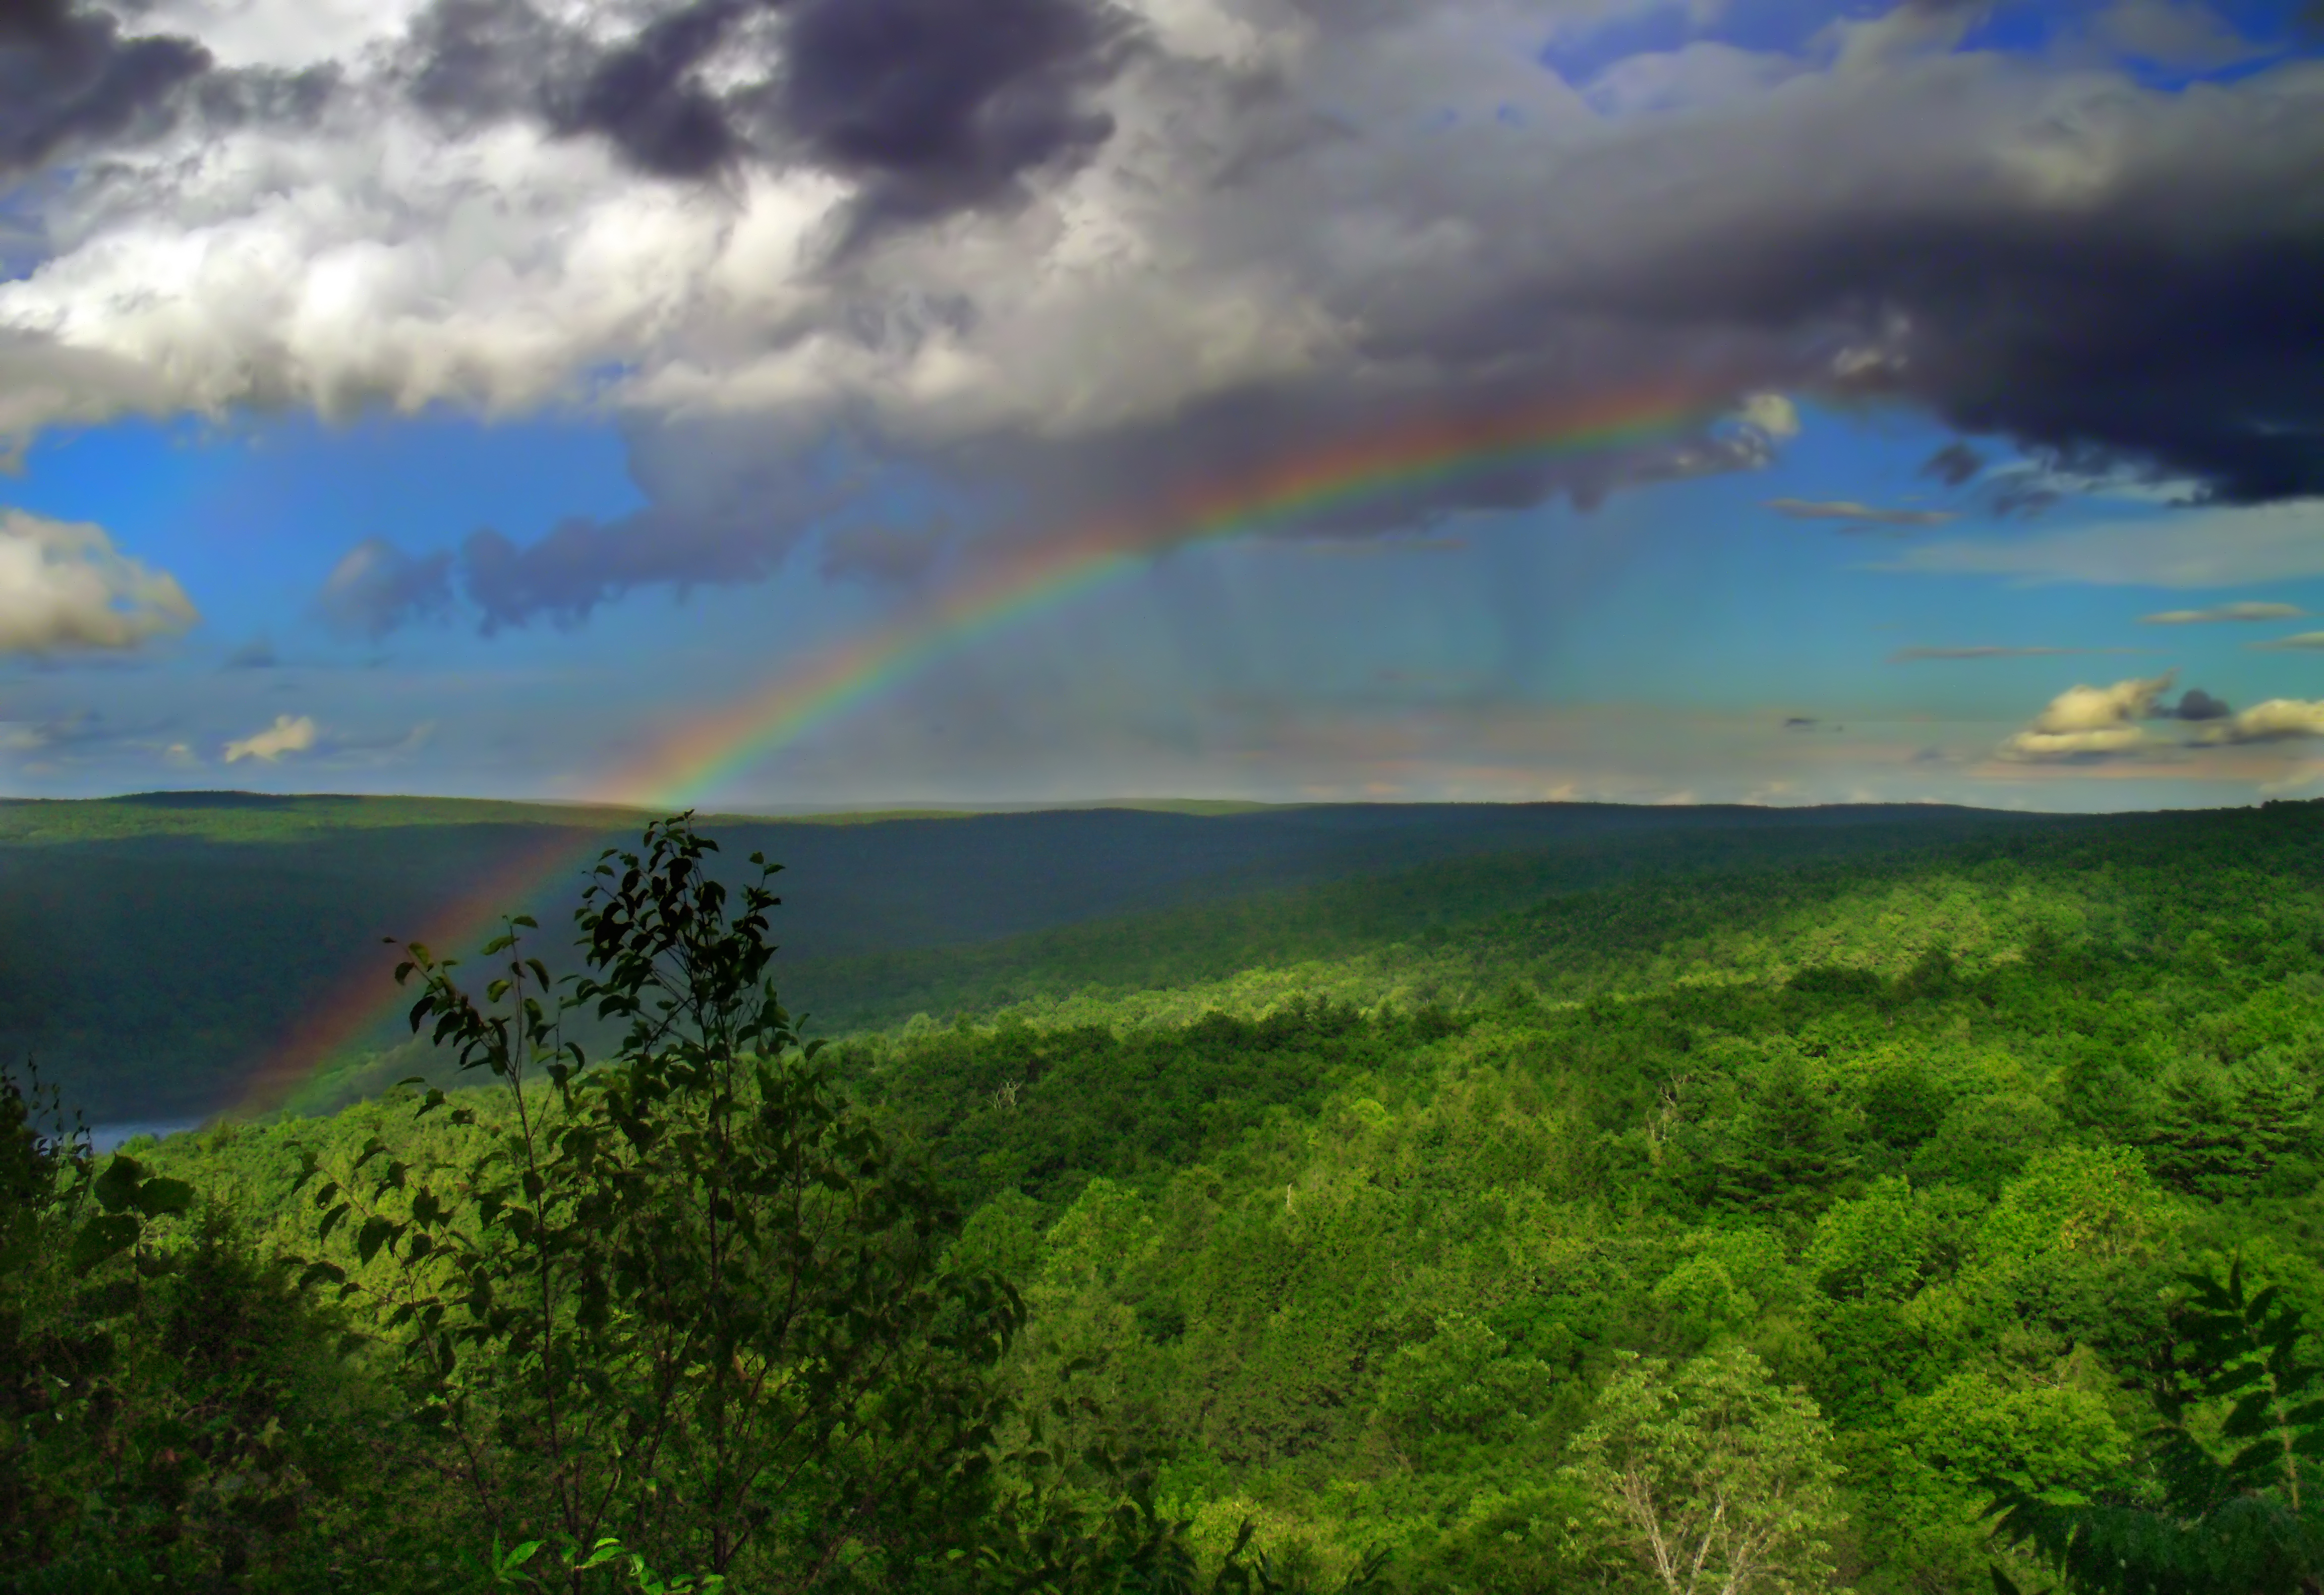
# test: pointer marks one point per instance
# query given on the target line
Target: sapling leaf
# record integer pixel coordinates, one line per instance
(117, 1187)
(376, 1232)
(156, 1197)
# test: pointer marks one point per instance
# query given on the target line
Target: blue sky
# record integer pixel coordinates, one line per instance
(721, 420)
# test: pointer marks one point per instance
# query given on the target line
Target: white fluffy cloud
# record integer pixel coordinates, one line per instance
(63, 586)
(2086, 723)
(289, 733)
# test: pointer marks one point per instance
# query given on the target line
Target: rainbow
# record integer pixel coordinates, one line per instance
(696, 757)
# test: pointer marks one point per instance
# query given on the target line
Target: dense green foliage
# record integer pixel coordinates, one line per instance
(1721, 1229)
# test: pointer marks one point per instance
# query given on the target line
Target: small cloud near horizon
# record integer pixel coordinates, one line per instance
(2224, 612)
(2298, 642)
(1855, 515)
(2086, 724)
(2278, 719)
(289, 733)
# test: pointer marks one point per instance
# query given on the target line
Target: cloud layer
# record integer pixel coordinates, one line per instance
(2226, 612)
(1856, 516)
(1053, 251)
(1904, 656)
(2216, 547)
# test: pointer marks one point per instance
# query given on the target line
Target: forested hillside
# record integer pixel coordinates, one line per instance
(157, 951)
(1818, 1202)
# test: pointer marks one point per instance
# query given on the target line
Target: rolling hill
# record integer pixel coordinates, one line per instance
(155, 950)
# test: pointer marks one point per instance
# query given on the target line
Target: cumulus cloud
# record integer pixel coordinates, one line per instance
(2276, 720)
(926, 105)
(377, 586)
(1060, 248)
(2298, 642)
(63, 586)
(2224, 612)
(289, 733)
(1773, 415)
(69, 79)
(2084, 723)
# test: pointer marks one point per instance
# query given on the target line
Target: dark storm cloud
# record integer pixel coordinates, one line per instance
(583, 563)
(726, 509)
(473, 61)
(882, 552)
(2195, 704)
(1954, 463)
(2109, 277)
(225, 99)
(2161, 334)
(933, 105)
(31, 21)
(646, 95)
(2022, 498)
(70, 80)
(378, 588)
(942, 105)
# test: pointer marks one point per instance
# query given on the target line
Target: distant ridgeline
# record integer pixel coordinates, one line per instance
(157, 951)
